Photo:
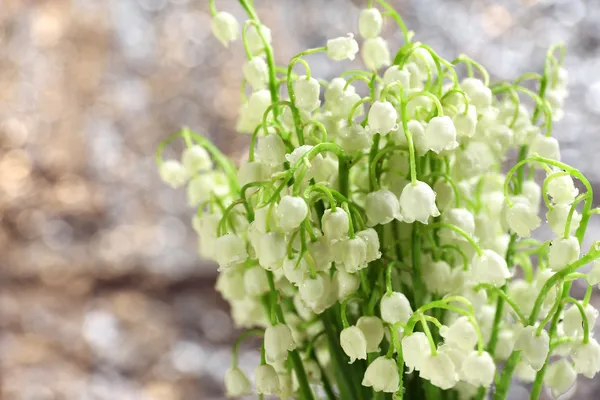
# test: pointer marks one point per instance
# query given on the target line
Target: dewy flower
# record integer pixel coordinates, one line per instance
(371, 239)
(560, 377)
(382, 117)
(231, 285)
(465, 124)
(341, 48)
(436, 276)
(563, 251)
(534, 348)
(546, 147)
(225, 27)
(394, 308)
(256, 72)
(382, 207)
(586, 358)
(557, 219)
(196, 159)
(345, 283)
(460, 334)
(478, 369)
(272, 251)
(255, 43)
(278, 341)
(307, 93)
(354, 343)
(395, 74)
(255, 281)
(479, 94)
(593, 276)
(573, 323)
(440, 134)
(232, 250)
(271, 150)
(372, 328)
(439, 370)
(258, 103)
(370, 22)
(335, 224)
(489, 267)
(415, 348)
(417, 203)
(314, 290)
(375, 53)
(295, 269)
(351, 254)
(173, 173)
(562, 189)
(251, 171)
(292, 211)
(237, 383)
(267, 380)
(382, 375)
(460, 217)
(522, 218)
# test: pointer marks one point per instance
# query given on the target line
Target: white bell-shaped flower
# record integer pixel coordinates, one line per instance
(295, 270)
(272, 251)
(524, 372)
(231, 285)
(321, 253)
(532, 192)
(395, 74)
(375, 53)
(593, 277)
(291, 212)
(444, 198)
(382, 375)
(354, 343)
(265, 218)
(382, 207)
(586, 358)
(415, 348)
(258, 102)
(237, 383)
(489, 267)
(372, 328)
(225, 27)
(341, 48)
(335, 224)
(200, 189)
(395, 307)
(523, 294)
(560, 377)
(255, 42)
(371, 239)
(465, 124)
(440, 134)
(335, 90)
(436, 276)
(562, 189)
(460, 217)
(251, 171)
(351, 254)
(313, 290)
(478, 369)
(256, 72)
(460, 334)
(370, 22)
(278, 341)
(573, 323)
(534, 348)
(271, 149)
(417, 202)
(345, 283)
(563, 251)
(557, 219)
(522, 218)
(307, 93)
(173, 173)
(505, 344)
(382, 117)
(267, 380)
(439, 370)
(479, 94)
(345, 104)
(546, 147)
(232, 250)
(255, 281)
(355, 138)
(196, 159)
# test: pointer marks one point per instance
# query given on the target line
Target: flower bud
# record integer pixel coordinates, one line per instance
(225, 27)
(291, 212)
(546, 147)
(237, 383)
(354, 343)
(395, 74)
(573, 323)
(382, 117)
(315, 290)
(255, 43)
(370, 237)
(272, 251)
(278, 341)
(478, 369)
(341, 48)
(382, 375)
(522, 218)
(557, 219)
(271, 150)
(345, 283)
(563, 251)
(375, 53)
(267, 380)
(534, 349)
(560, 377)
(439, 370)
(335, 224)
(173, 173)
(232, 250)
(256, 72)
(489, 267)
(345, 103)
(562, 189)
(307, 93)
(355, 138)
(466, 124)
(461, 218)
(196, 159)
(335, 90)
(255, 281)
(460, 334)
(382, 207)
(372, 328)
(440, 134)
(231, 285)
(586, 358)
(415, 348)
(394, 308)
(370, 22)
(417, 202)
(258, 103)
(479, 94)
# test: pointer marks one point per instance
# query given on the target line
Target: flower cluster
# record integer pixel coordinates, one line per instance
(371, 236)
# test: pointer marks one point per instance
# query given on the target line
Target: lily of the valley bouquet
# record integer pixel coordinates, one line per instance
(371, 237)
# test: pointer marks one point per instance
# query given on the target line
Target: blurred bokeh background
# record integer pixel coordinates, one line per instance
(103, 295)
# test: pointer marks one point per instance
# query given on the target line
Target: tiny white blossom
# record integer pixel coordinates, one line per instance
(267, 380)
(417, 202)
(237, 383)
(382, 375)
(372, 328)
(341, 48)
(354, 343)
(370, 22)
(225, 27)
(375, 53)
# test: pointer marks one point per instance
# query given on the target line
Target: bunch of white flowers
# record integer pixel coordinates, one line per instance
(373, 239)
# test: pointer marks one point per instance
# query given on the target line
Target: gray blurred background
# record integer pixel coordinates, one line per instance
(103, 295)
